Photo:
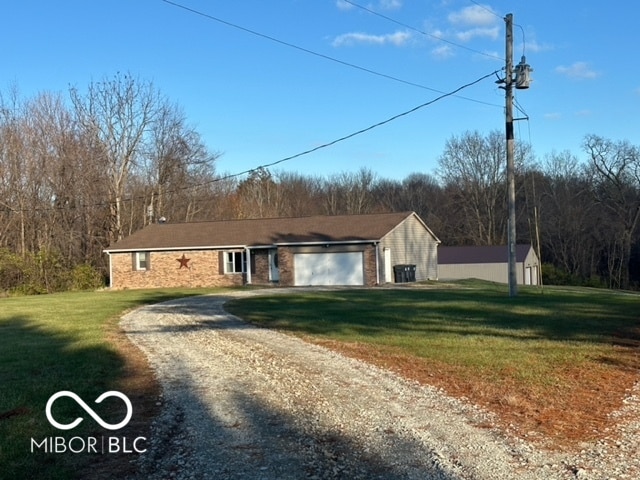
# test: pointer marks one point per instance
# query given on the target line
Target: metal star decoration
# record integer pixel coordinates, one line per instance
(184, 262)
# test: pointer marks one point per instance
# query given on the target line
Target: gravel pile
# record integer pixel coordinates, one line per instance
(242, 402)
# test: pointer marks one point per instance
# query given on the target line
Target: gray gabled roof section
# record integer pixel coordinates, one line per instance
(262, 232)
(480, 254)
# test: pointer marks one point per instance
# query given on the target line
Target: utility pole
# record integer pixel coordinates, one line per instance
(511, 182)
(521, 80)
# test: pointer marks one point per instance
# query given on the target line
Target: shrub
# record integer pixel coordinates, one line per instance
(552, 275)
(85, 277)
(12, 270)
(44, 272)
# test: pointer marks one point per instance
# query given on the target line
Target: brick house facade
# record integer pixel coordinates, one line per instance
(349, 250)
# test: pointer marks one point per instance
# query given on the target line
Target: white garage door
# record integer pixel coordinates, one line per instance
(342, 268)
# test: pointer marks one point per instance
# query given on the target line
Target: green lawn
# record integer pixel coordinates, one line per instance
(478, 326)
(472, 339)
(58, 342)
(471, 331)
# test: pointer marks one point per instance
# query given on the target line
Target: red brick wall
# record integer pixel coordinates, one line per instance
(260, 274)
(285, 264)
(370, 278)
(202, 270)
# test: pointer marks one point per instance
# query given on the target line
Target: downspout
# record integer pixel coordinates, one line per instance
(110, 271)
(248, 263)
(377, 247)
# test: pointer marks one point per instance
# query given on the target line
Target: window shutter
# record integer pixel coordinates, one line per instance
(221, 263)
(148, 257)
(134, 266)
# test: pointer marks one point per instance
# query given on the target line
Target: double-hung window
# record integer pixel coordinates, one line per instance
(141, 261)
(234, 262)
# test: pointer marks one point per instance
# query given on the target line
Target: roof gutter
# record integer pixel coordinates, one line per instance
(172, 249)
(239, 247)
(327, 242)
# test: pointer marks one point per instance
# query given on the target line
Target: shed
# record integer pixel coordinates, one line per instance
(488, 263)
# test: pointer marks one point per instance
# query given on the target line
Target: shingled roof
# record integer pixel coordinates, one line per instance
(262, 232)
(480, 254)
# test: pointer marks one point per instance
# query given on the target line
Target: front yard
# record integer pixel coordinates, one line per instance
(70, 341)
(552, 365)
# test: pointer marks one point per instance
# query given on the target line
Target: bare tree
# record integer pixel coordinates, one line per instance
(472, 171)
(615, 167)
(299, 194)
(418, 192)
(568, 215)
(13, 200)
(178, 168)
(258, 195)
(349, 193)
(118, 114)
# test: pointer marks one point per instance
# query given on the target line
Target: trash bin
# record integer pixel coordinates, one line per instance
(411, 273)
(404, 273)
(399, 274)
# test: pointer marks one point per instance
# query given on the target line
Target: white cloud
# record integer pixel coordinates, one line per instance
(474, 22)
(437, 33)
(357, 38)
(379, 5)
(390, 4)
(443, 52)
(342, 5)
(533, 46)
(467, 35)
(578, 71)
(553, 116)
(475, 15)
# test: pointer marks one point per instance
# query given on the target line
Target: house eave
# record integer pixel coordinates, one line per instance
(424, 225)
(240, 247)
(172, 249)
(326, 242)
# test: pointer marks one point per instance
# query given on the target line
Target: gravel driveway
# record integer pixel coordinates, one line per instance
(242, 402)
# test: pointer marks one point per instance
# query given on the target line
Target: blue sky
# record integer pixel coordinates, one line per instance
(258, 101)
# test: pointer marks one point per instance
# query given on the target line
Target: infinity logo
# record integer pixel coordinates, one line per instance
(88, 409)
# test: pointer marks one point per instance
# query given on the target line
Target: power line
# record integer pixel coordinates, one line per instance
(311, 52)
(282, 160)
(436, 37)
(483, 7)
(379, 124)
(524, 42)
(520, 109)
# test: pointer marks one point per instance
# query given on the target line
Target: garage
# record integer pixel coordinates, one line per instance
(336, 268)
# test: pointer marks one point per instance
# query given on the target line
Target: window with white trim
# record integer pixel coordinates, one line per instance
(234, 262)
(142, 261)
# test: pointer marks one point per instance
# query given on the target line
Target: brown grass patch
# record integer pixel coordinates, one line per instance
(575, 408)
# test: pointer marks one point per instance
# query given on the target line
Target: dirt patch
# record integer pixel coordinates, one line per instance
(16, 412)
(576, 409)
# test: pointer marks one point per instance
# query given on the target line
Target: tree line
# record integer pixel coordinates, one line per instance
(82, 170)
